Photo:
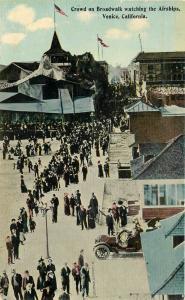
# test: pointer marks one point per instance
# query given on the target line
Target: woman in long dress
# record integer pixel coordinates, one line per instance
(66, 205)
(91, 218)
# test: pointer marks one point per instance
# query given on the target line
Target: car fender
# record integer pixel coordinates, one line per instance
(102, 244)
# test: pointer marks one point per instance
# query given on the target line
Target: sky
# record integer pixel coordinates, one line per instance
(27, 26)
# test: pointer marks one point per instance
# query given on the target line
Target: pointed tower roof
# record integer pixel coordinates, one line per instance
(55, 48)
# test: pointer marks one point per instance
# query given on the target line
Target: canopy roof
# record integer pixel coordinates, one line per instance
(165, 264)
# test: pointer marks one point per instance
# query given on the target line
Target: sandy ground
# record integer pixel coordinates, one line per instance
(118, 278)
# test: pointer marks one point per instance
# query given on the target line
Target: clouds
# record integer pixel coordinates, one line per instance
(138, 25)
(43, 23)
(85, 16)
(24, 16)
(116, 33)
(12, 38)
(134, 26)
(21, 14)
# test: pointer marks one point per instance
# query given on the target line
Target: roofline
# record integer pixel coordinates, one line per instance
(169, 278)
(178, 221)
(170, 143)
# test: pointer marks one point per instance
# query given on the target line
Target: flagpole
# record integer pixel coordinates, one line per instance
(54, 16)
(102, 52)
(98, 48)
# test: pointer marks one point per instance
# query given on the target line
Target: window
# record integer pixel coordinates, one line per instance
(171, 195)
(180, 194)
(177, 240)
(150, 68)
(151, 194)
(162, 194)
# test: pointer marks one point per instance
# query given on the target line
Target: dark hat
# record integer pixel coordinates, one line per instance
(41, 259)
(120, 202)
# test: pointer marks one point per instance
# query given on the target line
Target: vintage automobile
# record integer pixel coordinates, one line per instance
(124, 241)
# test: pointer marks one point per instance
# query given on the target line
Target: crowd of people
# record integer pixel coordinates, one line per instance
(117, 216)
(73, 156)
(25, 288)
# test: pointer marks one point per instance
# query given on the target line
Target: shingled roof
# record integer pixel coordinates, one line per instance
(168, 164)
(165, 264)
(151, 56)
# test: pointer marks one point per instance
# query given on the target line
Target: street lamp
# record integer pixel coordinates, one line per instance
(44, 211)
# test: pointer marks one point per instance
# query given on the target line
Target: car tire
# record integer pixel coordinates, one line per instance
(102, 252)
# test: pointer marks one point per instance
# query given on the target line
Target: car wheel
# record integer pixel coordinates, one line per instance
(102, 252)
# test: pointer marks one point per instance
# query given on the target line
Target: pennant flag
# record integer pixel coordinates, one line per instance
(99, 40)
(59, 10)
(102, 42)
(104, 45)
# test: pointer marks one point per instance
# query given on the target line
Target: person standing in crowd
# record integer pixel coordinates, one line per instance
(23, 185)
(47, 293)
(122, 210)
(94, 204)
(36, 169)
(50, 266)
(64, 296)
(110, 222)
(76, 276)
(4, 283)
(66, 205)
(65, 273)
(78, 203)
(85, 280)
(100, 170)
(15, 244)
(81, 259)
(83, 217)
(42, 274)
(84, 172)
(9, 247)
(30, 293)
(55, 204)
(17, 285)
(72, 204)
(27, 279)
(106, 169)
(91, 218)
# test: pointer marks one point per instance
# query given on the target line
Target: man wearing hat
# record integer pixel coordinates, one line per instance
(65, 272)
(42, 274)
(50, 266)
(122, 210)
(110, 222)
(30, 293)
(55, 204)
(4, 283)
(17, 285)
(28, 279)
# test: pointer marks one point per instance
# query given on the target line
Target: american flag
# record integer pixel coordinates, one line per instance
(59, 10)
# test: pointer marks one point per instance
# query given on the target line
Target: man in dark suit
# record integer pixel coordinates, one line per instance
(55, 204)
(110, 222)
(15, 244)
(27, 279)
(83, 217)
(17, 285)
(65, 272)
(30, 293)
